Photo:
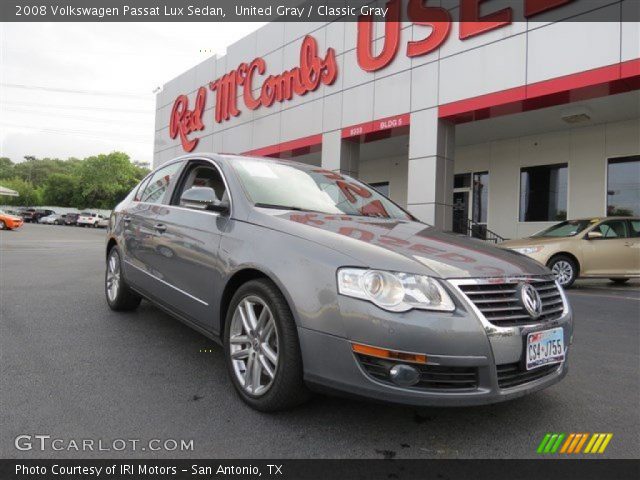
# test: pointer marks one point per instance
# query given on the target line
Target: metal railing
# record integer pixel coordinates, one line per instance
(477, 230)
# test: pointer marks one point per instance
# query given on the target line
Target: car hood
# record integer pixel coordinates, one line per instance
(399, 245)
(11, 217)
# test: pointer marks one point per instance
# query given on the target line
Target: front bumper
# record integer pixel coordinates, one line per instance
(330, 365)
(461, 341)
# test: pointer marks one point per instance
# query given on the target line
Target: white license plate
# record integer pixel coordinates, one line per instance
(544, 348)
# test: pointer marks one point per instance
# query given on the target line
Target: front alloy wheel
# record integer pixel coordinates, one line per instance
(262, 350)
(565, 270)
(253, 344)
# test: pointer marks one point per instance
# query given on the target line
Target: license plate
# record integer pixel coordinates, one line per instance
(544, 348)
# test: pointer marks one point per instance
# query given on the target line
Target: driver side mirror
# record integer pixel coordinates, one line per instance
(203, 198)
(593, 235)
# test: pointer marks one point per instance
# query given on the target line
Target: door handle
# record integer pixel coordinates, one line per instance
(126, 219)
(160, 227)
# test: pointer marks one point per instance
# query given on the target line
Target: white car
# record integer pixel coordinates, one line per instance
(89, 219)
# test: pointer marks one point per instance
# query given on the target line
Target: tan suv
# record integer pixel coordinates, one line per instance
(589, 247)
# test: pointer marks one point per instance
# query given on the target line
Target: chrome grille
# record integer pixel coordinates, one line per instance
(499, 304)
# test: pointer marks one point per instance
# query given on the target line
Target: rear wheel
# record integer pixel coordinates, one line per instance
(565, 269)
(262, 349)
(119, 296)
(2, 225)
(619, 281)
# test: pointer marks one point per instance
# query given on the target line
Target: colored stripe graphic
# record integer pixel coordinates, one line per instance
(572, 443)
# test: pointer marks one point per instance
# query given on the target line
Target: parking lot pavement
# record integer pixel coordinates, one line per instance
(72, 369)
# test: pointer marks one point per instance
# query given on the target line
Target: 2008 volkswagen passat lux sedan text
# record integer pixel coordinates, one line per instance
(311, 280)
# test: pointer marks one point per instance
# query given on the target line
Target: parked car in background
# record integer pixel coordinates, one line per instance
(27, 214)
(607, 247)
(311, 279)
(89, 219)
(53, 219)
(9, 221)
(35, 214)
(71, 218)
(103, 222)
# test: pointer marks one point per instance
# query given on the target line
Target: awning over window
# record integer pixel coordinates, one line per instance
(7, 192)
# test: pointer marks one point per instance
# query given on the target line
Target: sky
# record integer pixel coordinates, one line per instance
(80, 89)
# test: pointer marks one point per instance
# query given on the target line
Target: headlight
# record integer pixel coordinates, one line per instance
(527, 250)
(396, 292)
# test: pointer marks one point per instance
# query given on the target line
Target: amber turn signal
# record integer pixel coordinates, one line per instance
(388, 354)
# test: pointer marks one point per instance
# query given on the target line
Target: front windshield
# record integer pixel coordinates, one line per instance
(569, 228)
(272, 184)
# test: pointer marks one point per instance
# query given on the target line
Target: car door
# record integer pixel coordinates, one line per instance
(138, 228)
(608, 255)
(633, 245)
(184, 251)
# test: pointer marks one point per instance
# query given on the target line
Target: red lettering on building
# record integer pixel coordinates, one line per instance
(438, 19)
(534, 7)
(366, 59)
(312, 72)
(472, 24)
(184, 121)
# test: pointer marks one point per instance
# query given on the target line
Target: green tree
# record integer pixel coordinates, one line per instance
(6, 168)
(62, 190)
(28, 194)
(36, 171)
(106, 179)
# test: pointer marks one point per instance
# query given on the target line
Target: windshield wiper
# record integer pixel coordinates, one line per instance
(288, 207)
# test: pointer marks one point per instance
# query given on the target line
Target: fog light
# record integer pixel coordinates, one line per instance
(404, 375)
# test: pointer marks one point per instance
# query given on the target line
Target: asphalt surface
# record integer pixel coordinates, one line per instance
(73, 369)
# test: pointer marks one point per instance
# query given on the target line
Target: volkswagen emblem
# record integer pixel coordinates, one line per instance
(530, 299)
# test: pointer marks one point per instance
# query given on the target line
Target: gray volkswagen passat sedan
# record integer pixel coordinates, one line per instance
(311, 280)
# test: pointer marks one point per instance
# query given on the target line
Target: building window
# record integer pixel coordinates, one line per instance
(623, 186)
(381, 187)
(462, 180)
(543, 193)
(480, 196)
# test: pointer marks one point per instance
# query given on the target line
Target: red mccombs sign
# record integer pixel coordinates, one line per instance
(315, 69)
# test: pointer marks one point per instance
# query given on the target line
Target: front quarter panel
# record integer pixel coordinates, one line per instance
(304, 271)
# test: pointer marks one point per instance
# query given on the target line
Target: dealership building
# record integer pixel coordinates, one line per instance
(495, 128)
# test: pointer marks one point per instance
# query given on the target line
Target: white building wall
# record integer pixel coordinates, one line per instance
(515, 55)
(393, 170)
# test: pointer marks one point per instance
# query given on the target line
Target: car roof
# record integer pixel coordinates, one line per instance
(228, 158)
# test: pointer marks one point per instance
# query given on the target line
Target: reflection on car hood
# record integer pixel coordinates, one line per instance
(400, 245)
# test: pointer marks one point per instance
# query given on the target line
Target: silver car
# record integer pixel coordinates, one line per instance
(311, 280)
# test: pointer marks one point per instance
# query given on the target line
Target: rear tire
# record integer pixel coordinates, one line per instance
(565, 269)
(119, 296)
(619, 281)
(2, 225)
(255, 339)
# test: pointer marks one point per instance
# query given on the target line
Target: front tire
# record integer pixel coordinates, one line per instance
(262, 350)
(2, 225)
(119, 296)
(565, 269)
